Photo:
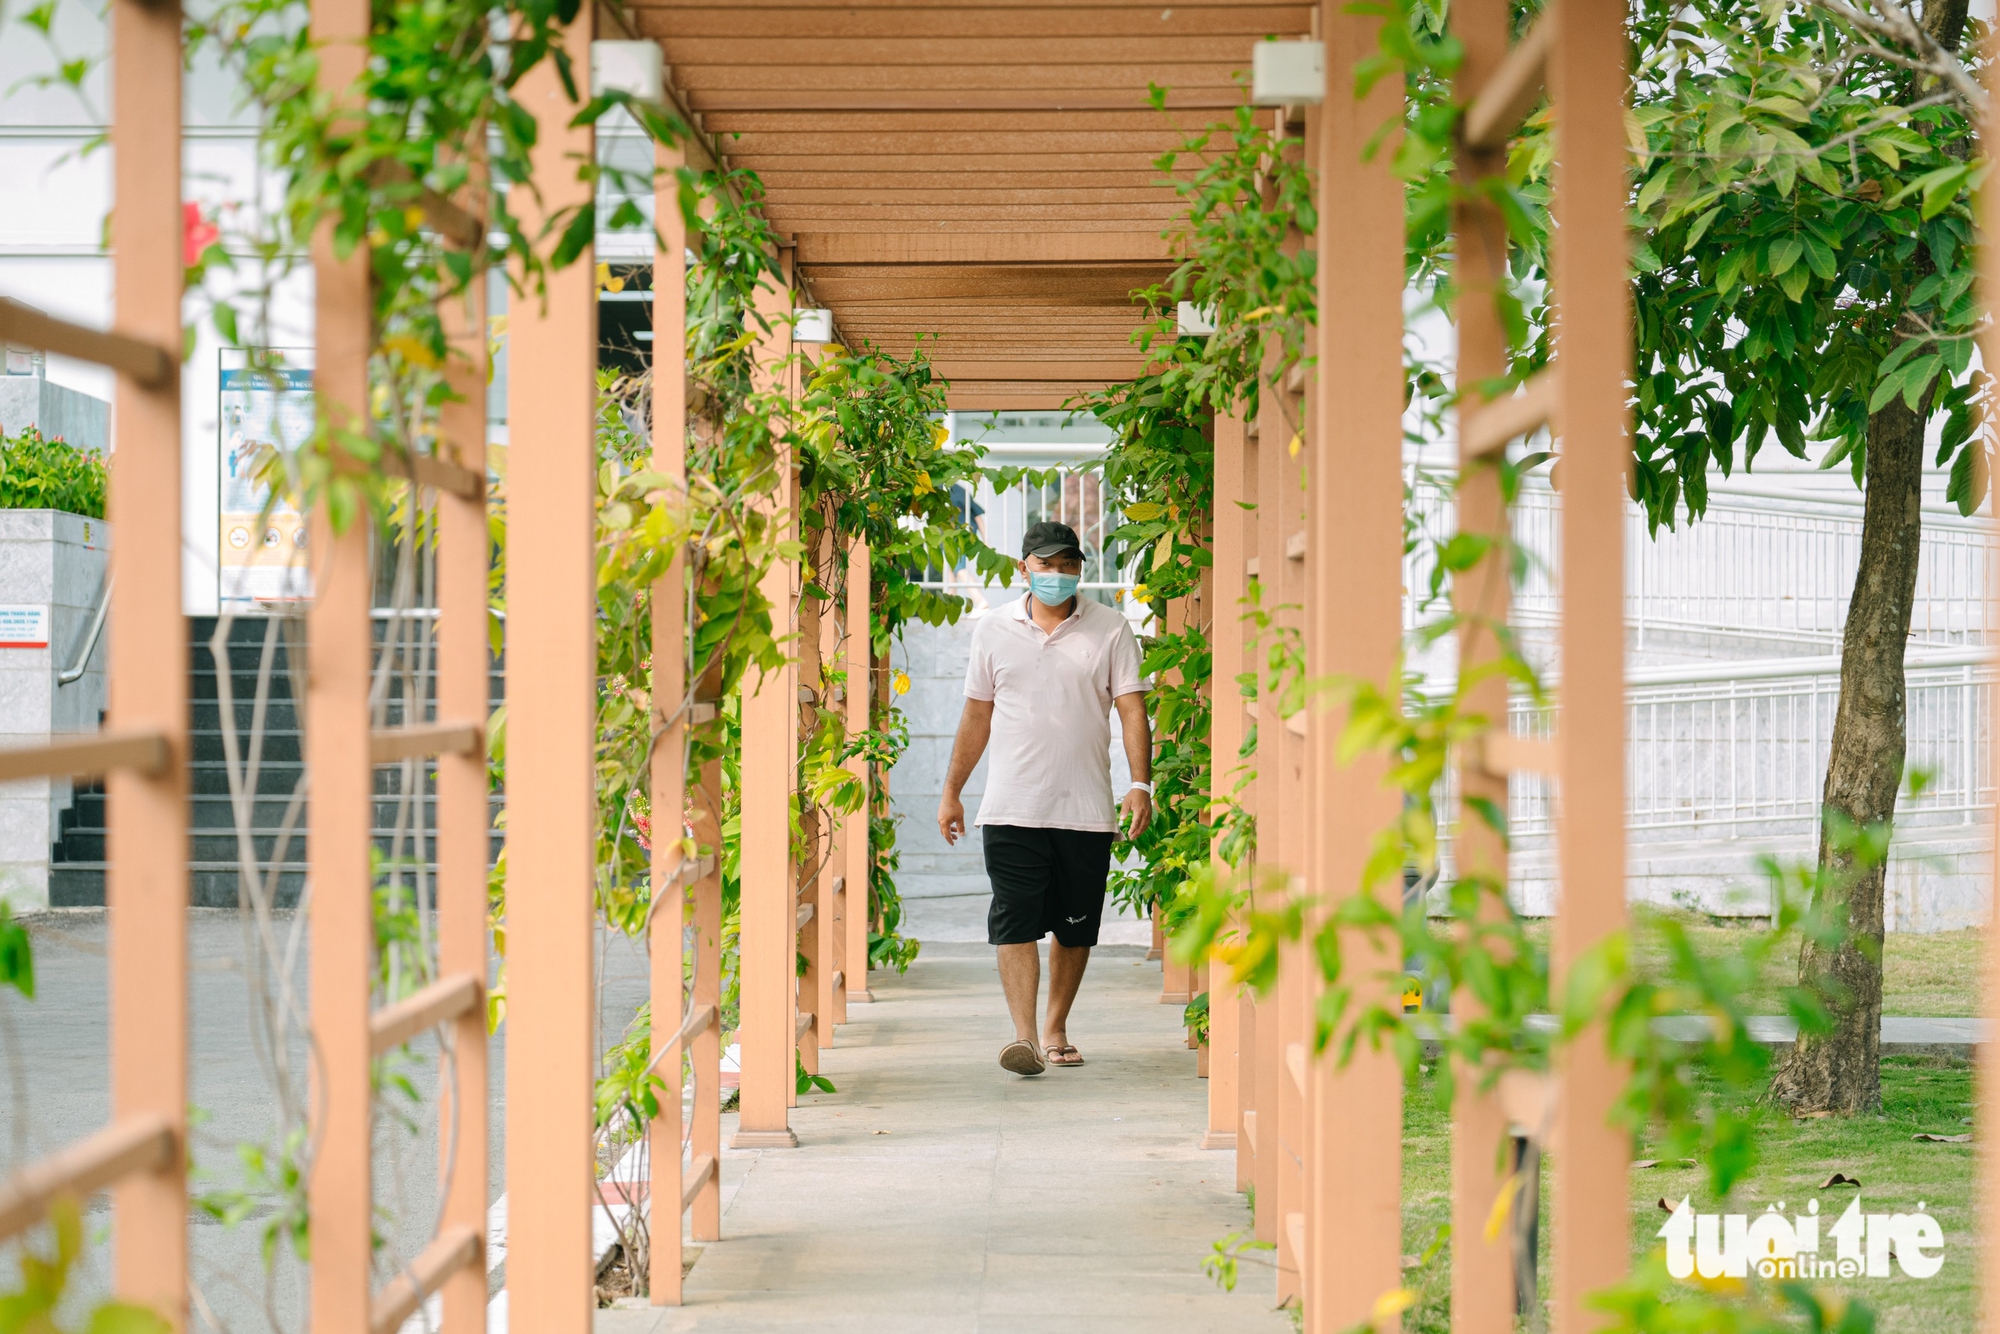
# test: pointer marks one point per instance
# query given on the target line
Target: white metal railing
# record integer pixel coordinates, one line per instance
(1078, 497)
(1736, 756)
(1757, 567)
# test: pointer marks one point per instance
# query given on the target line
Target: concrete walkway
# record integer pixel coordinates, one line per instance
(936, 1193)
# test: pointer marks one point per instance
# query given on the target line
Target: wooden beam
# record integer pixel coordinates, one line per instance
(1496, 112)
(931, 52)
(867, 143)
(147, 363)
(439, 1003)
(1111, 369)
(935, 120)
(985, 22)
(906, 192)
(441, 214)
(924, 157)
(1216, 97)
(1131, 175)
(1020, 81)
(420, 741)
(139, 752)
(451, 1251)
(797, 216)
(139, 1144)
(981, 248)
(1023, 396)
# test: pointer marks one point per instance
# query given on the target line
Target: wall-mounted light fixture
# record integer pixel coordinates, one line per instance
(627, 67)
(1192, 319)
(1286, 74)
(813, 326)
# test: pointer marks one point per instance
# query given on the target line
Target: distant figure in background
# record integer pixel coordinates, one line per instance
(1045, 673)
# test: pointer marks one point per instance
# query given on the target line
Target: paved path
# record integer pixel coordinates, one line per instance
(1070, 1202)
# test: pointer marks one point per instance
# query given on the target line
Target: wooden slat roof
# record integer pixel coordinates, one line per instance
(979, 173)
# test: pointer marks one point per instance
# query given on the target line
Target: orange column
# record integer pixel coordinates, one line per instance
(826, 946)
(1251, 1079)
(1356, 552)
(1176, 978)
(463, 823)
(1989, 1087)
(705, 1134)
(765, 1036)
(1278, 1107)
(1228, 585)
(809, 871)
(1282, 511)
(1587, 79)
(669, 689)
(1482, 1280)
(551, 730)
(147, 885)
(1268, 1060)
(854, 845)
(336, 752)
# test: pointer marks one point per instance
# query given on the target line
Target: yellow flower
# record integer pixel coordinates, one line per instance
(900, 683)
(1392, 1303)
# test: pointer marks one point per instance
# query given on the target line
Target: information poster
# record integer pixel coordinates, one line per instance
(266, 414)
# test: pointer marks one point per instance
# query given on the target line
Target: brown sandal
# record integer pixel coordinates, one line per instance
(1019, 1057)
(1063, 1055)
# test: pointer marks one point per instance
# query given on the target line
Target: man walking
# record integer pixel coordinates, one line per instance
(1046, 672)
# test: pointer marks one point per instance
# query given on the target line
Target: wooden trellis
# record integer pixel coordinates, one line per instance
(1031, 141)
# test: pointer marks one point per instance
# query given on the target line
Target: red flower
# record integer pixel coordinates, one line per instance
(197, 234)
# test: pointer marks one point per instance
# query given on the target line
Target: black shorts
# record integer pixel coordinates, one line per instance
(1045, 880)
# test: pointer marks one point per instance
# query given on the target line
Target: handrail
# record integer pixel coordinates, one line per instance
(74, 672)
(144, 1143)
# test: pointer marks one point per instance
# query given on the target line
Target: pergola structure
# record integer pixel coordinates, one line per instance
(981, 173)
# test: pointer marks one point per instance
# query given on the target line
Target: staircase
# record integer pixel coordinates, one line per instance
(76, 873)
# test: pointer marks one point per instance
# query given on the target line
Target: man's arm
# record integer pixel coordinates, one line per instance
(1138, 731)
(974, 726)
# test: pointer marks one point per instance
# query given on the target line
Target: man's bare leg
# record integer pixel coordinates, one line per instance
(1066, 965)
(1020, 978)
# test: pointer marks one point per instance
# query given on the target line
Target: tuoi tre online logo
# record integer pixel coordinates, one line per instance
(1779, 1246)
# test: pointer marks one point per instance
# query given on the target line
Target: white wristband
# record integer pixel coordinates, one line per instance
(1146, 788)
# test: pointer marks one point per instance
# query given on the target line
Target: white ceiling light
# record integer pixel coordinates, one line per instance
(632, 68)
(1287, 74)
(813, 326)
(1192, 319)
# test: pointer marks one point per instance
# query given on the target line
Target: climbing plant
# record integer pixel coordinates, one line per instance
(1696, 1097)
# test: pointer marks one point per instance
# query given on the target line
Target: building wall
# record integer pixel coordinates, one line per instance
(56, 560)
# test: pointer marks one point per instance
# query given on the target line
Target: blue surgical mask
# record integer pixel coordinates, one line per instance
(1052, 590)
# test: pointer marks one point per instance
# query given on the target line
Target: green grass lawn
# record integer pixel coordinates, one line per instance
(1933, 975)
(1918, 1094)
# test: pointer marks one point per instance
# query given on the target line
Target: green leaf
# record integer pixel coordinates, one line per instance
(1785, 252)
(17, 954)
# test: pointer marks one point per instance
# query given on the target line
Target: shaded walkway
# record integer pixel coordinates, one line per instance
(1075, 1201)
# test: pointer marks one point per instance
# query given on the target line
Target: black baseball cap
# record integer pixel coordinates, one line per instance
(1047, 539)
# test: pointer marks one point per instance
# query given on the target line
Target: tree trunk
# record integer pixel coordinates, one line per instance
(1841, 1071)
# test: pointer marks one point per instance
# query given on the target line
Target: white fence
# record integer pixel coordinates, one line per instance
(1077, 496)
(1741, 757)
(1756, 568)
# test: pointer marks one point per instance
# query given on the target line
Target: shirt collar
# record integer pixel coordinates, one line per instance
(1018, 609)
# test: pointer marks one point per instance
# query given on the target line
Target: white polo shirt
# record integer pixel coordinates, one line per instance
(1049, 758)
